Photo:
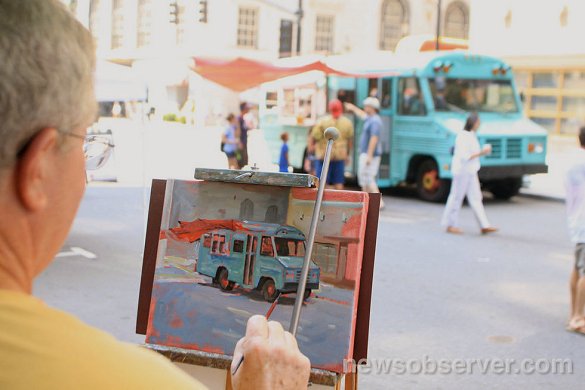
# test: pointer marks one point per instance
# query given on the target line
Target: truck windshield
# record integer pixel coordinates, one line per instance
(289, 247)
(462, 95)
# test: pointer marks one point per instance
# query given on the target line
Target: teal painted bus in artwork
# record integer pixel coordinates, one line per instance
(425, 98)
(264, 256)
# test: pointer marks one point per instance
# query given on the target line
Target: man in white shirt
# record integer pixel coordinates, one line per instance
(575, 185)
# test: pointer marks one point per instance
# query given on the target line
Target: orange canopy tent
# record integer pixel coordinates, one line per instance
(192, 231)
(241, 73)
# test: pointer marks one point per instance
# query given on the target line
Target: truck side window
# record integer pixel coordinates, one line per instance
(267, 249)
(214, 244)
(410, 100)
(238, 246)
(207, 241)
(222, 246)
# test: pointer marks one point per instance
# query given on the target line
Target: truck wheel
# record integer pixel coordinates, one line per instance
(269, 290)
(506, 188)
(307, 294)
(222, 280)
(429, 186)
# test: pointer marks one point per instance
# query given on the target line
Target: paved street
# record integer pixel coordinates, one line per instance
(436, 295)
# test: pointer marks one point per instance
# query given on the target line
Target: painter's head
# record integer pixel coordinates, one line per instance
(47, 70)
(284, 137)
(47, 102)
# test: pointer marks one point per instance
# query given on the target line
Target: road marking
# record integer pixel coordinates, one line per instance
(77, 251)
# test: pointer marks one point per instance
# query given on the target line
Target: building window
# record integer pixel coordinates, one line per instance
(508, 19)
(248, 28)
(246, 210)
(203, 11)
(144, 33)
(394, 23)
(457, 21)
(117, 23)
(181, 22)
(324, 28)
(95, 18)
(271, 214)
(286, 35)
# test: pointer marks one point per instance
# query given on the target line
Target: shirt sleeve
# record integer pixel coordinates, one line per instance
(375, 128)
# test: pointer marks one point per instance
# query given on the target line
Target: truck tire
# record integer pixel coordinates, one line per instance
(429, 186)
(504, 189)
(307, 294)
(269, 291)
(223, 281)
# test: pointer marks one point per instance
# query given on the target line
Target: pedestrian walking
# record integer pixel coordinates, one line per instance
(370, 146)
(464, 166)
(283, 162)
(230, 142)
(575, 186)
(341, 148)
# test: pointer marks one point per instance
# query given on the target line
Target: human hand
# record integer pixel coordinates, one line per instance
(369, 160)
(487, 149)
(272, 358)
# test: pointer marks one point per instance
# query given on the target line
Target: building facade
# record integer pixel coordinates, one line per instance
(543, 46)
(160, 38)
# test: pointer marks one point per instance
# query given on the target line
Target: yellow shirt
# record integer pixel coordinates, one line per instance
(340, 147)
(44, 348)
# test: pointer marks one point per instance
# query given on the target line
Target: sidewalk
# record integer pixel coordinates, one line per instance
(562, 152)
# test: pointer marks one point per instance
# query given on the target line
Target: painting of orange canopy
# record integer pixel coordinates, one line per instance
(192, 231)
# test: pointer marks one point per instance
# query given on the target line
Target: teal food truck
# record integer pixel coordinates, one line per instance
(263, 256)
(425, 98)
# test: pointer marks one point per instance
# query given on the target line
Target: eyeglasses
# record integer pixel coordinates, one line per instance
(97, 148)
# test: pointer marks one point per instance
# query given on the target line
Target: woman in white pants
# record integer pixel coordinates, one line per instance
(464, 167)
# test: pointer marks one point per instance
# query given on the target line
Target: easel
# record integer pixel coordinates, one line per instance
(223, 362)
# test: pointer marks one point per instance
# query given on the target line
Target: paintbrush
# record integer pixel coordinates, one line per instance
(268, 314)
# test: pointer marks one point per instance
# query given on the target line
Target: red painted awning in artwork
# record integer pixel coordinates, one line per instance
(192, 231)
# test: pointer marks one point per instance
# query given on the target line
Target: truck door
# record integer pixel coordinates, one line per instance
(250, 258)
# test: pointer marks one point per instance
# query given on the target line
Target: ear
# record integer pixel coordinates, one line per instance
(33, 169)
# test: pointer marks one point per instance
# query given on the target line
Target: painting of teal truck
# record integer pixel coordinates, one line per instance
(264, 256)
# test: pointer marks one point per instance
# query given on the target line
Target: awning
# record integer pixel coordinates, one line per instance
(241, 74)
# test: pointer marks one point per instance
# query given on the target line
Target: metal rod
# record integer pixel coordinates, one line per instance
(437, 44)
(331, 134)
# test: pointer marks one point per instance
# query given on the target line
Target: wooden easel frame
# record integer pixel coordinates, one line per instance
(360, 348)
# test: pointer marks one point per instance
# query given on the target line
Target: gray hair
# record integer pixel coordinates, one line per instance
(47, 63)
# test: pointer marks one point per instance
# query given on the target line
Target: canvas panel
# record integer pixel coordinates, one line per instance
(188, 310)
